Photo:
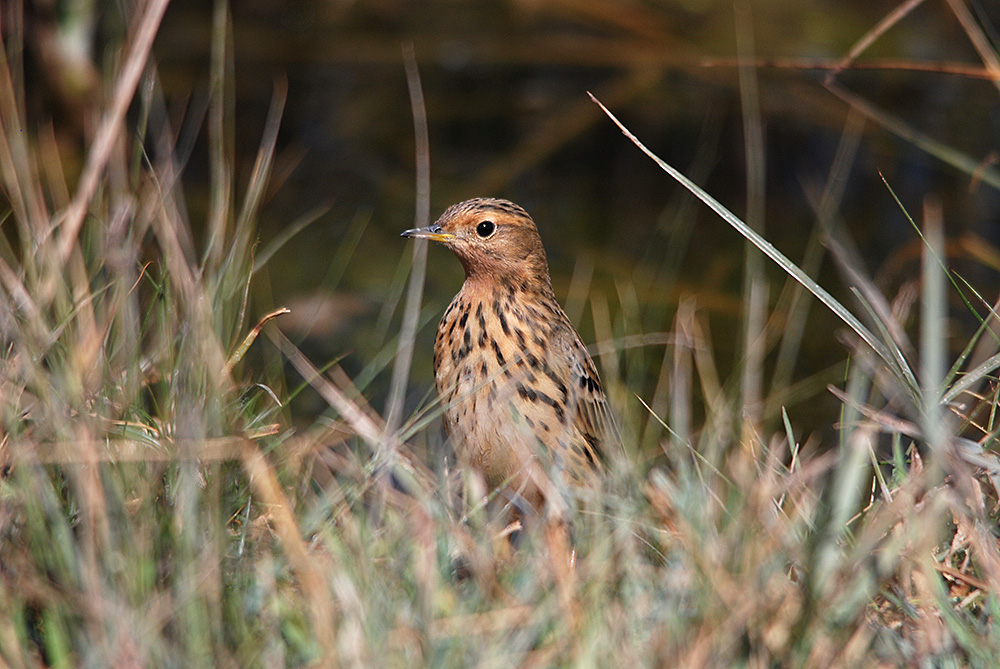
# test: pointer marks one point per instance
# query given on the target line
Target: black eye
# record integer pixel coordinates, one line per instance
(485, 229)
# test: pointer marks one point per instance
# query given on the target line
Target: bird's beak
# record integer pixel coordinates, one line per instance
(432, 232)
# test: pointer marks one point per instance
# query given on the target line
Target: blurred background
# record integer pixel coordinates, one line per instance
(505, 85)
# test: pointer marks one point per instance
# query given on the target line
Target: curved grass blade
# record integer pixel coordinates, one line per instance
(774, 254)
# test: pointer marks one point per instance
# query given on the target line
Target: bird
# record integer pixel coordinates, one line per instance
(523, 404)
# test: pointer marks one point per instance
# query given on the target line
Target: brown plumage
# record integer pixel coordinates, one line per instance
(523, 403)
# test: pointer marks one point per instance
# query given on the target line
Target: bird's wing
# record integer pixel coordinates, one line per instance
(588, 408)
(594, 417)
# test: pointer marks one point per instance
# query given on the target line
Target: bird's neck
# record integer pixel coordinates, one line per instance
(484, 285)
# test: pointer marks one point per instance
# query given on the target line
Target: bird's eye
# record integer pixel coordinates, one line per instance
(485, 229)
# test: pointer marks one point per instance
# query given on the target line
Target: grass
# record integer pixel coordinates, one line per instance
(158, 509)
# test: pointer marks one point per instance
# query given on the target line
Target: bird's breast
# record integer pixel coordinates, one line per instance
(504, 369)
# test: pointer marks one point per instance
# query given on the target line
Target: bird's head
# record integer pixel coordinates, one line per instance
(494, 238)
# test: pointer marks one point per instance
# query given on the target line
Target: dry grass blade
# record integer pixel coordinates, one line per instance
(418, 271)
(933, 343)
(849, 261)
(252, 336)
(891, 19)
(887, 421)
(972, 378)
(17, 161)
(754, 285)
(261, 173)
(986, 50)
(109, 130)
(360, 422)
(220, 145)
(285, 235)
(793, 300)
(386, 446)
(946, 154)
(322, 611)
(958, 69)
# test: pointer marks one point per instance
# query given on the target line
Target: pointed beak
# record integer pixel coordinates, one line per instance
(432, 232)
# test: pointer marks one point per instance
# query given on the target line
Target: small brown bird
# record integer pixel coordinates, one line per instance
(523, 404)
